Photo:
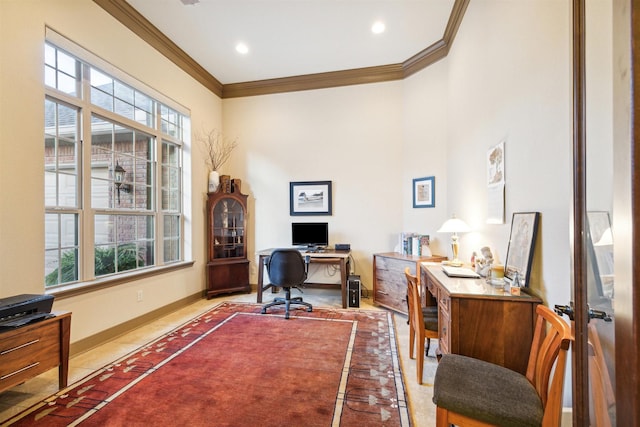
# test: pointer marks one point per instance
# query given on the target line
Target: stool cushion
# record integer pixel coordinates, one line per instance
(486, 392)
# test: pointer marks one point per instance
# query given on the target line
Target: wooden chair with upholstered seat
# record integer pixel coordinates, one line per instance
(423, 324)
(472, 392)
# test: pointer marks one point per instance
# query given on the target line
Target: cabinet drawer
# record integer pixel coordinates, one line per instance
(432, 288)
(444, 330)
(24, 355)
(444, 303)
(393, 300)
(394, 266)
(391, 283)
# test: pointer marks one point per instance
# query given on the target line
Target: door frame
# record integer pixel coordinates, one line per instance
(627, 309)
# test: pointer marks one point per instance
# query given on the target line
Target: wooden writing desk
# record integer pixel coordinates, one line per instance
(340, 258)
(480, 320)
(31, 350)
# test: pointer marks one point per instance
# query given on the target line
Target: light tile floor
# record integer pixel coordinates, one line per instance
(18, 398)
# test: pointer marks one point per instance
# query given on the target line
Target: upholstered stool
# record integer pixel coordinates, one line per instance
(486, 392)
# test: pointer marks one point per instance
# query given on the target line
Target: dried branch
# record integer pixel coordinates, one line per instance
(217, 148)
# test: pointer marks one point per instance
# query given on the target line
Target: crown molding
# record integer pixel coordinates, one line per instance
(132, 19)
(314, 81)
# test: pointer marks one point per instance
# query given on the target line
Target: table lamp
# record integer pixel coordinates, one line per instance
(455, 226)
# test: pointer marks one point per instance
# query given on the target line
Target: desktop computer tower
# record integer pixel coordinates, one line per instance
(353, 290)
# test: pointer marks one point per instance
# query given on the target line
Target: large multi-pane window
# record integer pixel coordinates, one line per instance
(113, 173)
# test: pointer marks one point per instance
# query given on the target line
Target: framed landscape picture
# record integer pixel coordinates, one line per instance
(310, 198)
(424, 192)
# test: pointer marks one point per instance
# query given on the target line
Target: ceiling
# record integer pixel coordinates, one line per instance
(296, 37)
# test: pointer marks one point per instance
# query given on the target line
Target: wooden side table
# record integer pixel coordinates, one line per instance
(31, 350)
(389, 281)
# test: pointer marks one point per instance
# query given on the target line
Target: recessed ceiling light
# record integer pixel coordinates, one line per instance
(378, 27)
(189, 2)
(242, 48)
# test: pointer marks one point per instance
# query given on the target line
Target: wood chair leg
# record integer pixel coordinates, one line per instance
(420, 359)
(412, 339)
(442, 416)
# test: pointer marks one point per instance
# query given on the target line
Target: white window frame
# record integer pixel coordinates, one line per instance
(87, 213)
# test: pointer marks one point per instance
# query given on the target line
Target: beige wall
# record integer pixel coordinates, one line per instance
(507, 78)
(351, 136)
(22, 30)
(510, 79)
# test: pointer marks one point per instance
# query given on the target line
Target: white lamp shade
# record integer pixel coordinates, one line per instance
(454, 225)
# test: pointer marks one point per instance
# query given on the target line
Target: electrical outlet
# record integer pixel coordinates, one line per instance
(139, 296)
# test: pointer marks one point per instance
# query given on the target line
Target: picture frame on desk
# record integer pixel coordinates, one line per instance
(424, 192)
(524, 230)
(310, 198)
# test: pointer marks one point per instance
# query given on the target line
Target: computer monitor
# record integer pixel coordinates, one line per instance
(310, 234)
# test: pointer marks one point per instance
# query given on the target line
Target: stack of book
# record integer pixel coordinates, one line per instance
(414, 244)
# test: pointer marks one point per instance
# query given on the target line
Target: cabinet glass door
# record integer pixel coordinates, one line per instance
(228, 229)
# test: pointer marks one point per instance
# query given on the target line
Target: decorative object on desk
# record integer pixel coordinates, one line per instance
(484, 262)
(310, 198)
(524, 230)
(455, 226)
(424, 192)
(497, 274)
(232, 345)
(217, 149)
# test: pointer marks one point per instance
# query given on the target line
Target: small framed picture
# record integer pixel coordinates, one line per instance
(524, 229)
(310, 198)
(424, 192)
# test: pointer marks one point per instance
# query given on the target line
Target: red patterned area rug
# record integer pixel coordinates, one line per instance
(233, 366)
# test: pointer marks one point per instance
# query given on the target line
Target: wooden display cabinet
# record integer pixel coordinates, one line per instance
(227, 264)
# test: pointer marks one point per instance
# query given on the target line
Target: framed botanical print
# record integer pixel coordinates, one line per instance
(424, 192)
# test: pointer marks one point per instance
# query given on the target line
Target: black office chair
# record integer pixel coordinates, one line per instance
(287, 269)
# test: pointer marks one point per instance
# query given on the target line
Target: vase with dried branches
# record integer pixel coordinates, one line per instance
(217, 149)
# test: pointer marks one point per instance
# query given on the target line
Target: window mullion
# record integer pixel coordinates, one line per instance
(87, 213)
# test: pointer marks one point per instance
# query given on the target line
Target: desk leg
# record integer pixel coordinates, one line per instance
(343, 280)
(260, 276)
(65, 335)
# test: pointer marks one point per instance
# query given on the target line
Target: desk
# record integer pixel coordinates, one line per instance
(480, 320)
(33, 349)
(341, 259)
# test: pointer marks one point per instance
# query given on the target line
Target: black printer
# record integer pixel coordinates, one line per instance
(20, 310)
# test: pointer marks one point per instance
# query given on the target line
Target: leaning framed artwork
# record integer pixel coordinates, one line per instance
(524, 230)
(424, 192)
(310, 198)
